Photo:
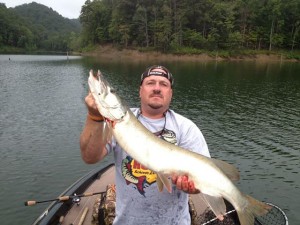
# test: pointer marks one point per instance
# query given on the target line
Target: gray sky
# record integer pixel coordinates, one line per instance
(67, 8)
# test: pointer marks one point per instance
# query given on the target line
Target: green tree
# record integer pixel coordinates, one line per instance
(244, 23)
(160, 24)
(222, 22)
(179, 20)
(141, 25)
(291, 27)
(274, 9)
(163, 26)
(94, 18)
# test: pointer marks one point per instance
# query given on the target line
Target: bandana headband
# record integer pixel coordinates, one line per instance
(164, 73)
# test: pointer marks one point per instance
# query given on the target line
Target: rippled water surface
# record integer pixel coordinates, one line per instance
(248, 112)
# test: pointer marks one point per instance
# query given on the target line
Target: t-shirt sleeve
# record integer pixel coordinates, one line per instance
(193, 139)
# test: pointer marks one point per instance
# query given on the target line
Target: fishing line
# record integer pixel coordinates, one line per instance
(210, 221)
(275, 216)
(165, 117)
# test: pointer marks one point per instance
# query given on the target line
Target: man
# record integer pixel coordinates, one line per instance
(138, 199)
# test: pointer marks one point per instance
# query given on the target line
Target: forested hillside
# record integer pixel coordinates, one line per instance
(33, 26)
(40, 15)
(170, 25)
(176, 26)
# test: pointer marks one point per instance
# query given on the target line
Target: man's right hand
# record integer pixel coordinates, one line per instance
(91, 105)
(183, 183)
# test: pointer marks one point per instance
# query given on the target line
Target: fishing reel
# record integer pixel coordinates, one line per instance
(76, 199)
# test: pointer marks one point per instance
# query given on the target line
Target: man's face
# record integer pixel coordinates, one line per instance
(156, 93)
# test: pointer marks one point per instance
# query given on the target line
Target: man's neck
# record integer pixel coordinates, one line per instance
(153, 114)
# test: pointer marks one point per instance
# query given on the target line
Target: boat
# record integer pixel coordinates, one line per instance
(67, 211)
(91, 200)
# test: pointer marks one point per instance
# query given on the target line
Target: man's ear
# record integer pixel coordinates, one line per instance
(140, 91)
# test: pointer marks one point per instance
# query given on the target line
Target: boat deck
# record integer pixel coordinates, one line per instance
(75, 215)
(82, 214)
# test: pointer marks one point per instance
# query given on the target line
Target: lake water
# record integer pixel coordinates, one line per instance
(248, 112)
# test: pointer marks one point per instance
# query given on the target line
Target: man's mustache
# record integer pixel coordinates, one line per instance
(156, 94)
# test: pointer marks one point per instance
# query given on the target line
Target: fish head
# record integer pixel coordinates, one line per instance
(107, 101)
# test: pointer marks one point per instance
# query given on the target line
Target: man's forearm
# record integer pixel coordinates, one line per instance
(92, 145)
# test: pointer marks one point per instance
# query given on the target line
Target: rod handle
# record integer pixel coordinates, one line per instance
(64, 198)
(87, 194)
(29, 203)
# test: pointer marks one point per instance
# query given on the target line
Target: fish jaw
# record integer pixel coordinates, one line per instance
(108, 103)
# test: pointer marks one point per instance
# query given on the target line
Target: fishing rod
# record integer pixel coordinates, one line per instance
(276, 216)
(75, 198)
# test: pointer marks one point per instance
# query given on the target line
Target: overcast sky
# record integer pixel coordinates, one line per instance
(67, 8)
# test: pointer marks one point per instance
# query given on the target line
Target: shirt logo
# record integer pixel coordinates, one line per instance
(137, 174)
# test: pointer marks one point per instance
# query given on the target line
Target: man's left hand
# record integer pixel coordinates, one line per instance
(183, 183)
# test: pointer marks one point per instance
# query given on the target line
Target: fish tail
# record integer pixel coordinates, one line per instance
(253, 209)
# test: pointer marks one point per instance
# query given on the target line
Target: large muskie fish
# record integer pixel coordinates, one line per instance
(212, 177)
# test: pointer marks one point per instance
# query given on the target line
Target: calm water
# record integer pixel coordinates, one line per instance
(249, 114)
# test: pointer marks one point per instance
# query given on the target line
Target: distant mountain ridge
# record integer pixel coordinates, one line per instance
(41, 15)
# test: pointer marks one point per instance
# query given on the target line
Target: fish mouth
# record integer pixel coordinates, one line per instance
(95, 75)
(103, 85)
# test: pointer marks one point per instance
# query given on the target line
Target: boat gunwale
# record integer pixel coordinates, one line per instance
(56, 209)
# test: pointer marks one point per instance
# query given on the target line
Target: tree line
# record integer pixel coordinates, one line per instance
(168, 25)
(176, 26)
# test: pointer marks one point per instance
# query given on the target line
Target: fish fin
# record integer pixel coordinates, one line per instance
(107, 134)
(216, 204)
(160, 184)
(162, 180)
(229, 170)
(253, 209)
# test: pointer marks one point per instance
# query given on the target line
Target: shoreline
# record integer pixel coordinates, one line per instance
(108, 52)
(111, 53)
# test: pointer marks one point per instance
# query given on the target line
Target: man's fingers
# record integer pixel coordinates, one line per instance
(192, 188)
(91, 105)
(181, 182)
(178, 182)
(185, 183)
(174, 178)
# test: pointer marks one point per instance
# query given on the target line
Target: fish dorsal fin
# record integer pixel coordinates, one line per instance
(216, 204)
(229, 170)
(162, 180)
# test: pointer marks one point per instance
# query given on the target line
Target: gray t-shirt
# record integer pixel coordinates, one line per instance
(138, 199)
